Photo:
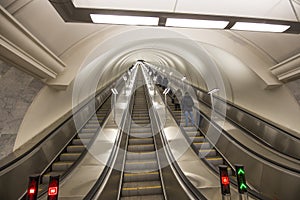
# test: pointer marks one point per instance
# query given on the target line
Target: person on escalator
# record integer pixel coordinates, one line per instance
(165, 83)
(187, 104)
(177, 96)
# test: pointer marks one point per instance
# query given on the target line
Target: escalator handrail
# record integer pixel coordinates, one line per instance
(243, 146)
(100, 181)
(272, 125)
(197, 194)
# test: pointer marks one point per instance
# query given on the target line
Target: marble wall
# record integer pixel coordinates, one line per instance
(294, 86)
(17, 91)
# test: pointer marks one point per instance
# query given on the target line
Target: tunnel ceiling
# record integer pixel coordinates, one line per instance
(60, 37)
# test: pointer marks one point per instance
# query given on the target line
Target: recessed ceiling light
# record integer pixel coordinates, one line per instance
(127, 20)
(247, 26)
(195, 23)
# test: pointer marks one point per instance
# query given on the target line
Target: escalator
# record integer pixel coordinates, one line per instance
(139, 157)
(201, 145)
(141, 176)
(75, 149)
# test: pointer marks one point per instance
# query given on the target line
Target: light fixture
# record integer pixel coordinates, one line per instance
(127, 20)
(195, 23)
(249, 26)
(213, 91)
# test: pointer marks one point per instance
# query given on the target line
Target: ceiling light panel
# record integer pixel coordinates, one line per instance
(194, 23)
(247, 26)
(125, 20)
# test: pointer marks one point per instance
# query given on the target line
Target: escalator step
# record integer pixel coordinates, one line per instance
(141, 135)
(88, 130)
(92, 126)
(86, 135)
(46, 177)
(215, 160)
(141, 188)
(192, 133)
(69, 156)
(80, 141)
(207, 153)
(147, 165)
(61, 165)
(141, 155)
(140, 141)
(140, 130)
(75, 148)
(197, 139)
(145, 197)
(202, 145)
(144, 176)
(140, 147)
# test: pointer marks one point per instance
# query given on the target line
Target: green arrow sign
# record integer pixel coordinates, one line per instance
(241, 171)
(243, 186)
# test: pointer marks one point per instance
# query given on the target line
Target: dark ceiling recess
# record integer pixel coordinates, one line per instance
(70, 13)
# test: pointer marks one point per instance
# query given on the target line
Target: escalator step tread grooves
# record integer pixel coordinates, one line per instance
(203, 147)
(141, 179)
(77, 145)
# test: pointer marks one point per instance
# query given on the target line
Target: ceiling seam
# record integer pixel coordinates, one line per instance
(175, 6)
(253, 45)
(294, 10)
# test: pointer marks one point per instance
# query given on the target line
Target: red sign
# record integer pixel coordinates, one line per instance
(225, 180)
(52, 191)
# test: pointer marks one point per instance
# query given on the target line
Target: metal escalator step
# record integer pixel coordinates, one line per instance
(145, 197)
(189, 128)
(140, 130)
(141, 188)
(75, 148)
(140, 147)
(144, 176)
(88, 130)
(140, 141)
(215, 160)
(141, 135)
(69, 156)
(80, 141)
(140, 155)
(85, 135)
(46, 177)
(202, 145)
(197, 139)
(140, 125)
(61, 165)
(192, 133)
(92, 126)
(141, 121)
(207, 153)
(147, 165)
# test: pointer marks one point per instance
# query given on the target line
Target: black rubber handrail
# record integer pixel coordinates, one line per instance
(100, 181)
(197, 194)
(258, 118)
(242, 110)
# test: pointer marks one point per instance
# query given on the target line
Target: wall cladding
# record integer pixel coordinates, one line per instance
(294, 86)
(17, 91)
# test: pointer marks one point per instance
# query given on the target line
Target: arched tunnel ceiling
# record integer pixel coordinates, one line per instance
(41, 19)
(249, 55)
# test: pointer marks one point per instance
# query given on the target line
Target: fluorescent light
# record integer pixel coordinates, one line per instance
(195, 23)
(247, 26)
(120, 19)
